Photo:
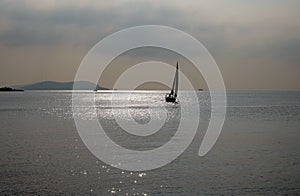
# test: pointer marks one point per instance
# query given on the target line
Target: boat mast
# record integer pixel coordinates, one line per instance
(176, 80)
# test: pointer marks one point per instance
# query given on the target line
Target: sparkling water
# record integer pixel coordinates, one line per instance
(256, 153)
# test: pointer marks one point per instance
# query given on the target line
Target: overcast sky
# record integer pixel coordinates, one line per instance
(255, 43)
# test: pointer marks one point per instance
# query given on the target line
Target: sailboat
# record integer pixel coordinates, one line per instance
(172, 96)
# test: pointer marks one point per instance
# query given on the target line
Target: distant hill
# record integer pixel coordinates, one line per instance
(50, 85)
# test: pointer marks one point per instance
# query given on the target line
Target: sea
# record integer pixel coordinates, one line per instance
(256, 153)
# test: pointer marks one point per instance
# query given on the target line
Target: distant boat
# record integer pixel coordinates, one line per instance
(172, 96)
(200, 89)
(10, 89)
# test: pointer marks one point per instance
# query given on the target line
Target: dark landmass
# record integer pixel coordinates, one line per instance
(10, 89)
(50, 85)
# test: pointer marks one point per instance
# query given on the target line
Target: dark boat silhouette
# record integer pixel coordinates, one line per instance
(172, 96)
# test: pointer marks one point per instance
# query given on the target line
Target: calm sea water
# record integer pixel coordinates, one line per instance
(256, 153)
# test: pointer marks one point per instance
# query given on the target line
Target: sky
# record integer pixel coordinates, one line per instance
(256, 44)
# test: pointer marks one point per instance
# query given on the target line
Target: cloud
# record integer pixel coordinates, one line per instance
(32, 25)
(229, 29)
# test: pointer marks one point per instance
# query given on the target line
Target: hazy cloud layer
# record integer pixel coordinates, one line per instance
(48, 39)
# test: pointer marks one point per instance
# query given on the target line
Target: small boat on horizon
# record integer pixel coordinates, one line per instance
(172, 96)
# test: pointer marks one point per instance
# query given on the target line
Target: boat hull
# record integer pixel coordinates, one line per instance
(170, 98)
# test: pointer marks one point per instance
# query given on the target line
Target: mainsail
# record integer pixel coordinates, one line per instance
(171, 97)
(174, 89)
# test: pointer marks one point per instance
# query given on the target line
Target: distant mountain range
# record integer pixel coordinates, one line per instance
(50, 85)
